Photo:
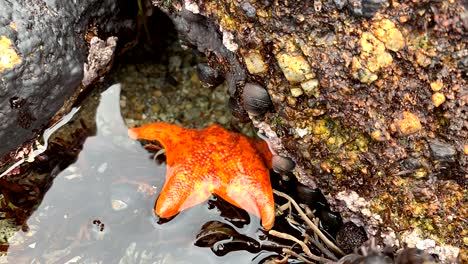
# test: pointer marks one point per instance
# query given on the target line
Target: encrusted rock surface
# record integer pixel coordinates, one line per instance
(43, 49)
(369, 99)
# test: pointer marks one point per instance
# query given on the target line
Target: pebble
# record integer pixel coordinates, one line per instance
(437, 86)
(254, 62)
(438, 99)
(409, 124)
(294, 66)
(296, 91)
(442, 150)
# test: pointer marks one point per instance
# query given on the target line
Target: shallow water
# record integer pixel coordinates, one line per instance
(76, 222)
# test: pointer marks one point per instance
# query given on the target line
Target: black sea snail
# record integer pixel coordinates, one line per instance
(256, 99)
(209, 76)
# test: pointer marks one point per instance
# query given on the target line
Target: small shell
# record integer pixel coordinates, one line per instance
(282, 164)
(209, 76)
(256, 99)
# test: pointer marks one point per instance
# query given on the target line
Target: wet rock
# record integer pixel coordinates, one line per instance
(367, 8)
(42, 51)
(294, 66)
(409, 124)
(311, 87)
(222, 239)
(350, 237)
(254, 62)
(394, 56)
(437, 85)
(296, 91)
(414, 256)
(250, 11)
(442, 151)
(386, 31)
(373, 58)
(438, 99)
(340, 3)
(330, 221)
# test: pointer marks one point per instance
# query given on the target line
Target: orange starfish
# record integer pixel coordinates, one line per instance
(212, 160)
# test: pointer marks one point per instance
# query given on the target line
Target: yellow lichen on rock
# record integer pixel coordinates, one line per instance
(294, 66)
(409, 124)
(372, 59)
(386, 31)
(378, 136)
(8, 56)
(13, 26)
(437, 85)
(438, 99)
(374, 53)
(254, 62)
(310, 87)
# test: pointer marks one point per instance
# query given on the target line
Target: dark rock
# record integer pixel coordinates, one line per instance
(222, 239)
(327, 135)
(49, 40)
(207, 39)
(350, 236)
(414, 256)
(367, 8)
(250, 11)
(310, 196)
(377, 259)
(442, 151)
(340, 3)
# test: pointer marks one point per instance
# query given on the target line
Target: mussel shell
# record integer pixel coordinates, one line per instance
(282, 164)
(208, 75)
(256, 99)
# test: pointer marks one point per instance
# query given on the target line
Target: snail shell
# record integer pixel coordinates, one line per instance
(282, 164)
(209, 76)
(256, 99)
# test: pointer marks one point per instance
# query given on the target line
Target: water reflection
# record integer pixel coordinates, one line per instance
(100, 208)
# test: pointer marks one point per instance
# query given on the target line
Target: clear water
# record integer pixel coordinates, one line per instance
(76, 221)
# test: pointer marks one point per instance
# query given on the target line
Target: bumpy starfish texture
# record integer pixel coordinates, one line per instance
(212, 160)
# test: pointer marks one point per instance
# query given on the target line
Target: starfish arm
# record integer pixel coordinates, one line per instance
(168, 135)
(180, 192)
(252, 193)
(265, 201)
(264, 150)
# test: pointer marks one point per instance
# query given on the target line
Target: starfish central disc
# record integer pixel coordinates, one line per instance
(212, 161)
